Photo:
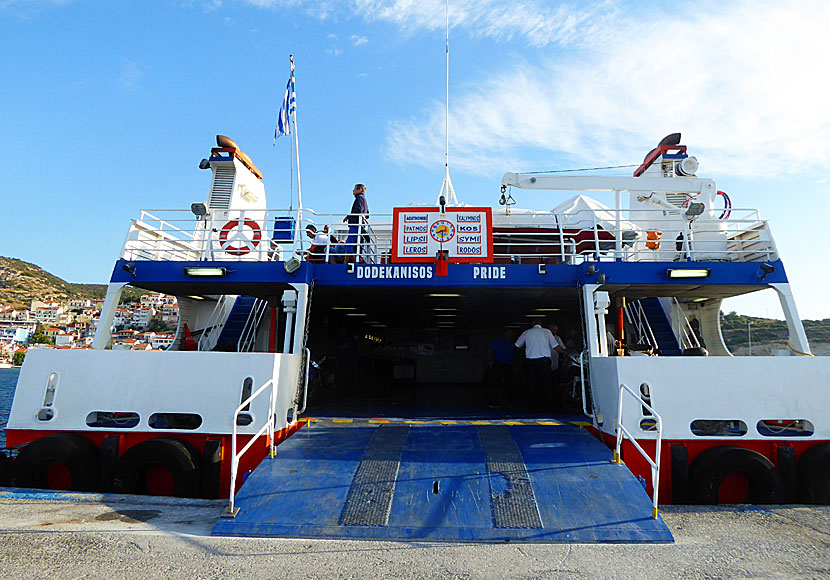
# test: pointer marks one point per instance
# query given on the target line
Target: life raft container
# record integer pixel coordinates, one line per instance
(730, 475)
(162, 466)
(65, 461)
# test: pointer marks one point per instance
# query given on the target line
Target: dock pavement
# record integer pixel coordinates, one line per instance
(64, 535)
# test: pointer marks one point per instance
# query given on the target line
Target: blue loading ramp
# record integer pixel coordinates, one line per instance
(469, 482)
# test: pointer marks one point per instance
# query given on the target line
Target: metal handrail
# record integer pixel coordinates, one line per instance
(247, 337)
(214, 324)
(742, 237)
(621, 431)
(269, 427)
(688, 337)
(640, 322)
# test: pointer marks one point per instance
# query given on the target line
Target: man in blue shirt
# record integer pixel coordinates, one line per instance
(356, 218)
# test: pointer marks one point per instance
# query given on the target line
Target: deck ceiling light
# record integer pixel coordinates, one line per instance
(356, 314)
(196, 297)
(700, 300)
(688, 272)
(547, 309)
(206, 272)
(444, 295)
(343, 308)
(452, 315)
(535, 315)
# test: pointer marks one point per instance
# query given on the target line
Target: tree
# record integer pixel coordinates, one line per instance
(18, 357)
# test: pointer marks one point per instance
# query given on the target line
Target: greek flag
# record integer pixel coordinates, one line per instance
(289, 105)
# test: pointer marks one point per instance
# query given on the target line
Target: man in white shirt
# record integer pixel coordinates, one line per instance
(538, 343)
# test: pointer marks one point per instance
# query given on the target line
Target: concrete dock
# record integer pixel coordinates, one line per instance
(63, 535)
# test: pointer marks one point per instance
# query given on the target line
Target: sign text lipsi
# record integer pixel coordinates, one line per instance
(408, 239)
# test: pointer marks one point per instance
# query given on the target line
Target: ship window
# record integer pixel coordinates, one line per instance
(51, 387)
(785, 428)
(112, 419)
(187, 421)
(718, 428)
(247, 389)
(45, 414)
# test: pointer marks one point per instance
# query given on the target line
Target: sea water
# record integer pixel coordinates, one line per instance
(8, 381)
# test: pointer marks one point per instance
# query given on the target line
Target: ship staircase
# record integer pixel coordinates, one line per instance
(651, 323)
(452, 480)
(242, 323)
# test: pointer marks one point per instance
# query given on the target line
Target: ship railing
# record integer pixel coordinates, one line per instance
(247, 338)
(267, 429)
(528, 237)
(638, 319)
(686, 335)
(622, 432)
(216, 322)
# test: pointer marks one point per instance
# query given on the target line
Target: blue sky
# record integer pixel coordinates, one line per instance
(107, 107)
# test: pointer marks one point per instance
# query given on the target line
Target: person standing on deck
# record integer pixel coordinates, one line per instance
(501, 361)
(538, 343)
(355, 219)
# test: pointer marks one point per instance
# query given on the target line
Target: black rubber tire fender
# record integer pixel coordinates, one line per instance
(77, 453)
(180, 459)
(814, 475)
(713, 466)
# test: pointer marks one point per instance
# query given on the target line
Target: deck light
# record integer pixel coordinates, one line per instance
(547, 309)
(444, 295)
(356, 314)
(206, 272)
(453, 315)
(695, 209)
(343, 308)
(129, 268)
(292, 265)
(688, 272)
(766, 270)
(200, 210)
(534, 315)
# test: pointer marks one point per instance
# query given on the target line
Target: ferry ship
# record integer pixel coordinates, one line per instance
(336, 354)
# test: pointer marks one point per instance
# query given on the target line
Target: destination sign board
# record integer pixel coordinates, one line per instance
(465, 233)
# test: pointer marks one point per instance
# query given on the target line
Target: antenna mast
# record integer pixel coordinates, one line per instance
(447, 189)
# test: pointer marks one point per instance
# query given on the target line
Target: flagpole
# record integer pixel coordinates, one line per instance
(297, 152)
(447, 187)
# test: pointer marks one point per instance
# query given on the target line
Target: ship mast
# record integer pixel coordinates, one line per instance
(447, 190)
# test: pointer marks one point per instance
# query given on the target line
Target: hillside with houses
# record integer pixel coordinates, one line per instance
(146, 323)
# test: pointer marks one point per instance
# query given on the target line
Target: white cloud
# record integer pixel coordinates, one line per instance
(131, 75)
(743, 82)
(535, 21)
(359, 40)
(334, 51)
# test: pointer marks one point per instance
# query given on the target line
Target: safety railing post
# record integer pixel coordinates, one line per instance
(621, 432)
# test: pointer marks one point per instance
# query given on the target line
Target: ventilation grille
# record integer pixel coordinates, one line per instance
(220, 193)
(677, 199)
